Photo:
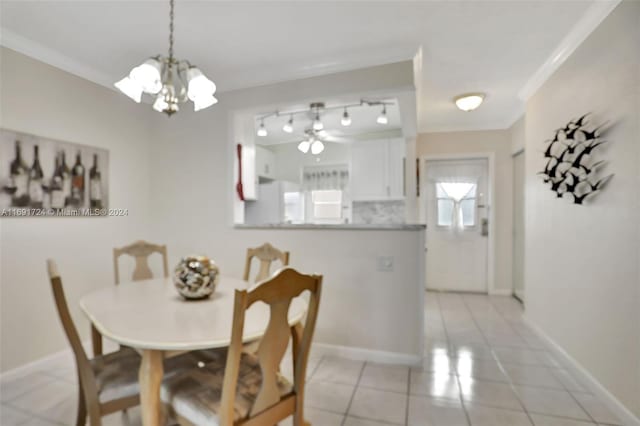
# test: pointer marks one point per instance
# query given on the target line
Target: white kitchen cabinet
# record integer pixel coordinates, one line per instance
(265, 162)
(377, 170)
(396, 163)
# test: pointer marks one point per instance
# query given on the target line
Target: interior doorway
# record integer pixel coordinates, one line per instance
(457, 195)
(518, 225)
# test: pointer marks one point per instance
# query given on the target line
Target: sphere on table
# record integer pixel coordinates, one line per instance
(196, 277)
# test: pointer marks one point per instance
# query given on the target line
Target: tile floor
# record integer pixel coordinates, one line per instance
(482, 366)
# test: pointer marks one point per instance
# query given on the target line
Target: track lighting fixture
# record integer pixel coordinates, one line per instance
(346, 118)
(262, 131)
(288, 126)
(313, 117)
(382, 118)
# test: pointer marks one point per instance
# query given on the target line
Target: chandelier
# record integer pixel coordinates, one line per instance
(171, 81)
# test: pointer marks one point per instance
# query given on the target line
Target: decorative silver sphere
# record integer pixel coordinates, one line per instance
(196, 277)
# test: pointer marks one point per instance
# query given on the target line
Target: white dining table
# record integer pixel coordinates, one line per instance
(151, 317)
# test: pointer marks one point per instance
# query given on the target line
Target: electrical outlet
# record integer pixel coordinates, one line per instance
(385, 263)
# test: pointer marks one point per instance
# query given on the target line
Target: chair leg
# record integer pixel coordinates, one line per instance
(298, 419)
(81, 418)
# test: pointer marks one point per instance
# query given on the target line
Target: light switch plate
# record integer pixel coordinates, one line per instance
(385, 263)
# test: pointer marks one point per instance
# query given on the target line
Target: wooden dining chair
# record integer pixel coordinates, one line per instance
(140, 250)
(240, 388)
(109, 383)
(266, 254)
(106, 383)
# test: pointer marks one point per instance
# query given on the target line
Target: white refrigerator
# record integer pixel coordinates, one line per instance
(277, 202)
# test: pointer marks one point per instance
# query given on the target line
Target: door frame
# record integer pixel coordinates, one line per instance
(514, 154)
(491, 247)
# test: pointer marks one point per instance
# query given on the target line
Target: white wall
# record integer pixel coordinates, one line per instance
(496, 142)
(191, 167)
(582, 273)
(42, 100)
(517, 131)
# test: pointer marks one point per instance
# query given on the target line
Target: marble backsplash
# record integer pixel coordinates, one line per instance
(378, 212)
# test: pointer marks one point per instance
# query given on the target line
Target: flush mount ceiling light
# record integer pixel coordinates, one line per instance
(469, 101)
(314, 113)
(171, 81)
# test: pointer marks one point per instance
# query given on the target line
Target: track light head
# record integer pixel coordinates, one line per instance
(288, 126)
(317, 123)
(346, 118)
(262, 131)
(382, 118)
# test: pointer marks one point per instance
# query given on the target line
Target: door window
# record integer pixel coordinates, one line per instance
(456, 204)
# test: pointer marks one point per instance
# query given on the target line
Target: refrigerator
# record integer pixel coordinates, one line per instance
(277, 202)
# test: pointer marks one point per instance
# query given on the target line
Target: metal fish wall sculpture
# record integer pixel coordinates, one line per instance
(570, 167)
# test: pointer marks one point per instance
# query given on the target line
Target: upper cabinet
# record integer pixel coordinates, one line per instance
(377, 170)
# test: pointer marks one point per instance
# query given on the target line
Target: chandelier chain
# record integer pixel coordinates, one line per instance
(171, 31)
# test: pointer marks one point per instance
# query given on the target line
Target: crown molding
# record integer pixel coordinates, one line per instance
(593, 16)
(14, 41)
(243, 80)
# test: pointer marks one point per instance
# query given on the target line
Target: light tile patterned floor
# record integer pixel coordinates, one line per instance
(482, 366)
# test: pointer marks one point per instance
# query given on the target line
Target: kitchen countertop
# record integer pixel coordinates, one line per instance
(346, 226)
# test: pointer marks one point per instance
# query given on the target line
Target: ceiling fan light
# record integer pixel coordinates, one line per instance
(469, 102)
(288, 126)
(317, 123)
(382, 118)
(317, 147)
(346, 118)
(203, 102)
(130, 88)
(304, 146)
(262, 131)
(198, 84)
(148, 76)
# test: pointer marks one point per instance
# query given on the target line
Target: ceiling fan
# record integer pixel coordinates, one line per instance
(313, 141)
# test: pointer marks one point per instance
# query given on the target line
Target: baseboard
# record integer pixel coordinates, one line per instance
(35, 366)
(41, 364)
(370, 355)
(623, 413)
(501, 292)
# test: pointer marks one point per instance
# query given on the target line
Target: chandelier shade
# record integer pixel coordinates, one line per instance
(171, 81)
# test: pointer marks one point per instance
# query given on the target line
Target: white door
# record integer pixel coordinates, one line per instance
(457, 224)
(518, 226)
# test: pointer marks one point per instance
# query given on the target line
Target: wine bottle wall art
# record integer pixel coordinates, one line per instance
(45, 177)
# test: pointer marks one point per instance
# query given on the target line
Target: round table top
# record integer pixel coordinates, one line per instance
(150, 314)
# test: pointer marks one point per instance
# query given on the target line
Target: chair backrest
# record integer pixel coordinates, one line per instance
(266, 254)
(140, 250)
(82, 361)
(278, 293)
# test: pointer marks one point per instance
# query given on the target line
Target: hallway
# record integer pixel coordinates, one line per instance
(481, 355)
